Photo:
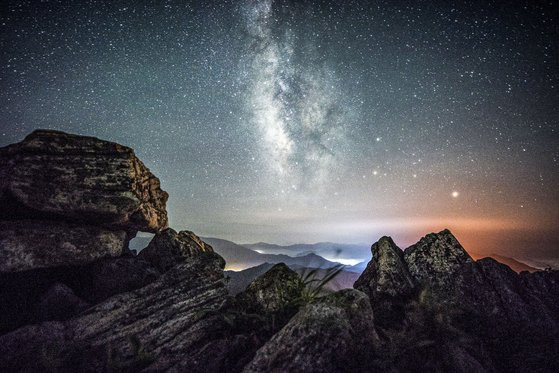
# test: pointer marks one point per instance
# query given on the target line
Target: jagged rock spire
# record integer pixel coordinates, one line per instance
(430, 262)
(434, 260)
(386, 273)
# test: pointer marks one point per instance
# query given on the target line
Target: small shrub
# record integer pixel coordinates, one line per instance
(313, 287)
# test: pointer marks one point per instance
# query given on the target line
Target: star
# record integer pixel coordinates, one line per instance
(241, 106)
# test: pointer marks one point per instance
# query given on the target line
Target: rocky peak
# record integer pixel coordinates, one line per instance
(167, 248)
(434, 260)
(386, 273)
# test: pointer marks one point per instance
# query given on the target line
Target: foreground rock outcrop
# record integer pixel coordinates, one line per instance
(69, 203)
(60, 193)
(387, 274)
(436, 283)
(156, 325)
(73, 297)
(333, 334)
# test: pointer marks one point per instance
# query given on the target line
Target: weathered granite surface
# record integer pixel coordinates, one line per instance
(53, 175)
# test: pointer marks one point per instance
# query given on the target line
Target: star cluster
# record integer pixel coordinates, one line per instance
(300, 121)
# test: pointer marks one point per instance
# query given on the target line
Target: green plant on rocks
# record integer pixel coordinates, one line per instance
(314, 287)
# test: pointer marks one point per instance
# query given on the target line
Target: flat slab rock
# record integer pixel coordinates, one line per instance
(33, 244)
(58, 176)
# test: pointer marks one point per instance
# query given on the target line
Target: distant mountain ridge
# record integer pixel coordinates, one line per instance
(239, 280)
(239, 257)
(329, 250)
(514, 264)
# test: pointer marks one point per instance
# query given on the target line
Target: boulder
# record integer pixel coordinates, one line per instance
(276, 291)
(69, 200)
(34, 244)
(387, 273)
(168, 247)
(333, 334)
(53, 175)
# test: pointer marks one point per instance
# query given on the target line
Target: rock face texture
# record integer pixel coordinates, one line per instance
(107, 277)
(22, 293)
(387, 274)
(30, 244)
(435, 259)
(78, 178)
(272, 292)
(156, 325)
(544, 286)
(334, 334)
(58, 302)
(62, 193)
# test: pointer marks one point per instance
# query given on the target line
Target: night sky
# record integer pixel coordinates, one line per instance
(300, 121)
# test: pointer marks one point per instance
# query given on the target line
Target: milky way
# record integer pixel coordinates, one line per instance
(294, 105)
(301, 121)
